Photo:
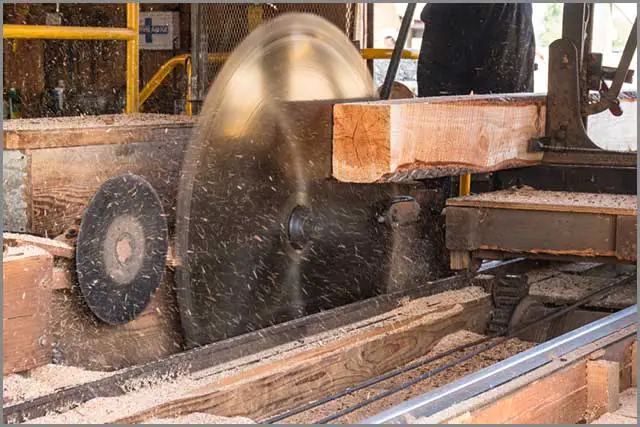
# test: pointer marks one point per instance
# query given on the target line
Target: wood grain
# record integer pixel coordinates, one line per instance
(272, 388)
(552, 201)
(63, 180)
(430, 137)
(29, 134)
(54, 247)
(603, 387)
(26, 272)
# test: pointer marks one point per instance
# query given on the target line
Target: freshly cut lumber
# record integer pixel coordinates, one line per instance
(23, 134)
(430, 137)
(26, 273)
(274, 387)
(54, 247)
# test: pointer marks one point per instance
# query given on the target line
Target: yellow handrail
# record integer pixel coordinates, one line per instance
(371, 53)
(129, 34)
(164, 70)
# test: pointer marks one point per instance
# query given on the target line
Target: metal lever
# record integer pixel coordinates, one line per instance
(385, 91)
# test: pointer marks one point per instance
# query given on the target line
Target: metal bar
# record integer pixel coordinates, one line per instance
(625, 61)
(10, 31)
(385, 92)
(133, 59)
(370, 53)
(502, 372)
(465, 184)
(369, 28)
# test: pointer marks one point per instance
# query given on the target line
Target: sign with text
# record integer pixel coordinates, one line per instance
(159, 30)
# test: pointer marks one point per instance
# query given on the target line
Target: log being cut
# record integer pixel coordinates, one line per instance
(431, 137)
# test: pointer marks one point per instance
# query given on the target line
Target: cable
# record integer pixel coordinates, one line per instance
(500, 340)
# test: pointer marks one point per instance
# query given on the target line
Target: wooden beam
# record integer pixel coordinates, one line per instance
(26, 273)
(603, 387)
(30, 134)
(272, 388)
(430, 137)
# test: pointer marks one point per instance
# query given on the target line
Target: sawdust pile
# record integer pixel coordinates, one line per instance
(44, 380)
(200, 418)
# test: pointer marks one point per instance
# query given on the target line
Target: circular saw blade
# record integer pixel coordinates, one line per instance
(121, 249)
(245, 174)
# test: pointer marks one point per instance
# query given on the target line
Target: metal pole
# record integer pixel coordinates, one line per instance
(199, 59)
(51, 32)
(397, 51)
(369, 38)
(133, 59)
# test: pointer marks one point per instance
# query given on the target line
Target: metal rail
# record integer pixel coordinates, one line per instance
(129, 34)
(502, 372)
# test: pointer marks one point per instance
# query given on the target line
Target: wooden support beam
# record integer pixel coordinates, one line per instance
(59, 132)
(603, 387)
(272, 388)
(26, 274)
(543, 223)
(430, 137)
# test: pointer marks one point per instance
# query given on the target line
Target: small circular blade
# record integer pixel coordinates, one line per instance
(121, 249)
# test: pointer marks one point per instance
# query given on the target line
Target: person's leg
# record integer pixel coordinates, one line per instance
(443, 65)
(505, 54)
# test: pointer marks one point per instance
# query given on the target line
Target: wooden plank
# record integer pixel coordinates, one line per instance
(64, 179)
(29, 134)
(272, 388)
(551, 201)
(430, 137)
(26, 272)
(549, 400)
(634, 365)
(511, 231)
(54, 247)
(603, 388)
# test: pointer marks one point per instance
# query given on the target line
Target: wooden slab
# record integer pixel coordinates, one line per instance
(431, 137)
(59, 132)
(551, 201)
(54, 247)
(26, 273)
(270, 389)
(543, 224)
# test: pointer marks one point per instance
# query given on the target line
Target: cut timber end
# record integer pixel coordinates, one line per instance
(54, 247)
(430, 137)
(26, 300)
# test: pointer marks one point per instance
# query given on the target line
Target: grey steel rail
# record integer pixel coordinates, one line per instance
(503, 372)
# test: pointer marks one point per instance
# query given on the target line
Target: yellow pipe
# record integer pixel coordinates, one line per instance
(133, 58)
(465, 185)
(386, 54)
(164, 70)
(188, 107)
(10, 31)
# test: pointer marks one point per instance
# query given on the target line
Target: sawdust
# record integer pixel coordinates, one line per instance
(526, 198)
(200, 418)
(103, 410)
(102, 121)
(44, 380)
(450, 341)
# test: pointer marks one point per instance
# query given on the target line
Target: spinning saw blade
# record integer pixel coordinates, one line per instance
(262, 234)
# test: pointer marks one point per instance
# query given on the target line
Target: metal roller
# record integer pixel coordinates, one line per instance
(263, 233)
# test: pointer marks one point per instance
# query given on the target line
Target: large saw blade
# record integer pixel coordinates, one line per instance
(262, 234)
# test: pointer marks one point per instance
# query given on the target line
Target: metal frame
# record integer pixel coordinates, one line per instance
(504, 371)
(129, 34)
(566, 139)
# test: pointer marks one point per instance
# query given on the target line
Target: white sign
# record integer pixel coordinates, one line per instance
(159, 30)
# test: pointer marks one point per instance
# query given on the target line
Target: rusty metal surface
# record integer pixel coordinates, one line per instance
(15, 175)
